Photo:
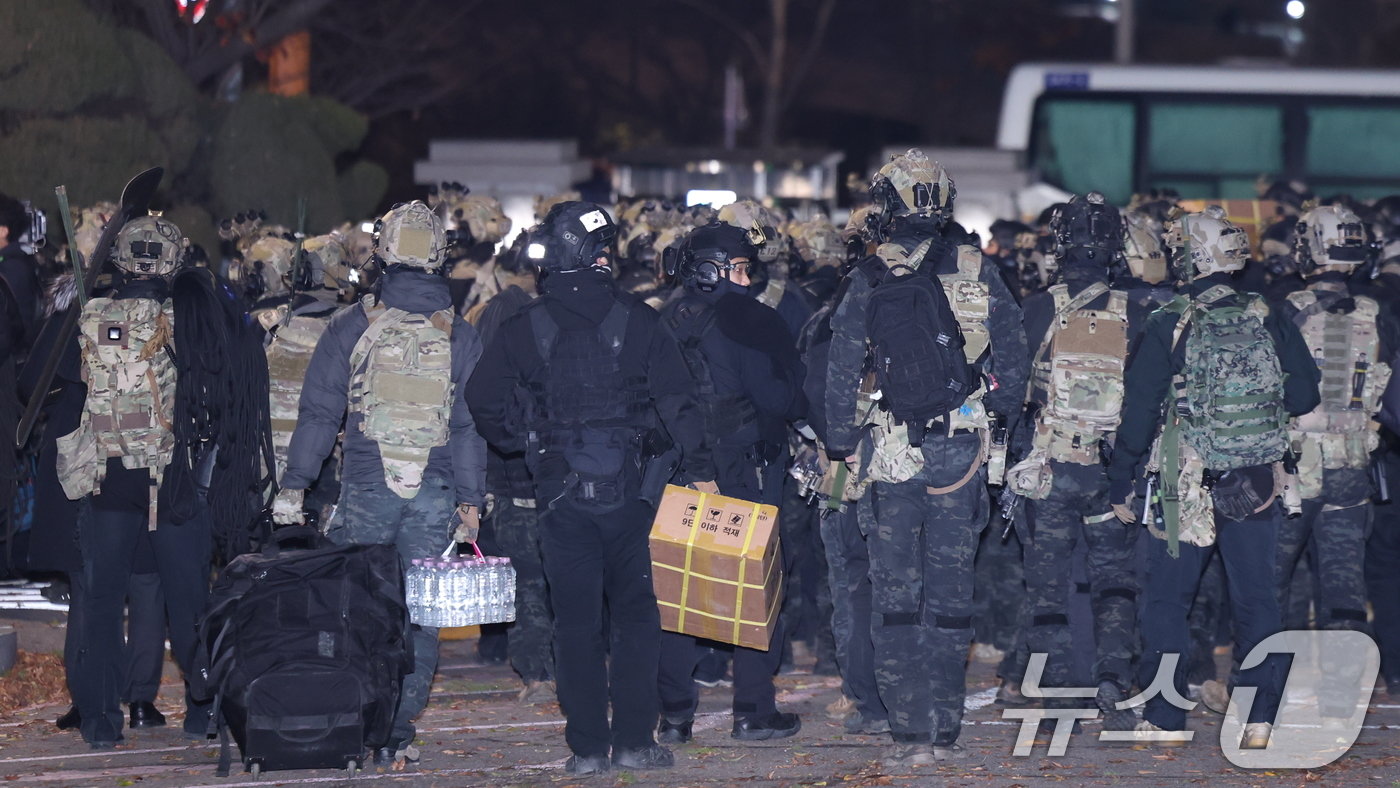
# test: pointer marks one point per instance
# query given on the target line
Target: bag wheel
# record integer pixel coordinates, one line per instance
(255, 769)
(352, 766)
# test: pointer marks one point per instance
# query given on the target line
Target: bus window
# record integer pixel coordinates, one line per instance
(1084, 146)
(1213, 149)
(1353, 142)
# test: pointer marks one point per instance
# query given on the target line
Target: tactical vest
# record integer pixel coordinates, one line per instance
(288, 356)
(1082, 375)
(401, 384)
(971, 300)
(587, 410)
(130, 393)
(1345, 346)
(729, 418)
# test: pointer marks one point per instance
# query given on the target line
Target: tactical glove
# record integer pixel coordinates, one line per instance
(286, 507)
(710, 487)
(468, 523)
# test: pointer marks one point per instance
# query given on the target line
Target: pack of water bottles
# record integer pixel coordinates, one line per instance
(460, 591)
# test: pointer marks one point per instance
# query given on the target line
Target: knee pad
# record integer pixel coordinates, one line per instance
(1123, 593)
(1050, 620)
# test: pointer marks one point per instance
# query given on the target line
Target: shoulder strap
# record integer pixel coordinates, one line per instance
(1322, 301)
(969, 261)
(614, 326)
(1217, 292)
(1118, 304)
(545, 329)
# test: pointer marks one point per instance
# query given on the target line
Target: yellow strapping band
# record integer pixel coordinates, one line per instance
(689, 549)
(743, 564)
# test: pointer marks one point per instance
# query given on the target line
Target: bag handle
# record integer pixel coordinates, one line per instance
(288, 533)
(452, 548)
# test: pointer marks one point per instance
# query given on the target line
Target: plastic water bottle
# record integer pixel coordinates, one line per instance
(456, 612)
(480, 592)
(413, 589)
(508, 582)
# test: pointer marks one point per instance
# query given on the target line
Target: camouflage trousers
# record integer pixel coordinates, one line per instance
(1058, 522)
(1335, 525)
(419, 527)
(999, 600)
(848, 565)
(531, 643)
(921, 567)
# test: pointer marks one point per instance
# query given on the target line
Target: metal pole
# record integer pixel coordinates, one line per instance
(1123, 32)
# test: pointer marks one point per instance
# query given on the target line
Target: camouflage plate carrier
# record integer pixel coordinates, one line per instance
(401, 384)
(288, 356)
(1339, 432)
(130, 394)
(1082, 378)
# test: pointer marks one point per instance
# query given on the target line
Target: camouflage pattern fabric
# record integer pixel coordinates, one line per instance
(401, 382)
(1231, 382)
(419, 527)
(1336, 525)
(531, 643)
(921, 568)
(848, 571)
(912, 167)
(288, 356)
(1082, 375)
(130, 397)
(1058, 523)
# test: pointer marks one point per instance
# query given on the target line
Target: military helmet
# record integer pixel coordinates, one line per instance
(149, 246)
(708, 252)
(1215, 243)
(325, 264)
(481, 216)
(410, 234)
(1142, 248)
(911, 184)
(267, 265)
(572, 237)
(759, 224)
(818, 242)
(1329, 235)
(1088, 223)
(545, 203)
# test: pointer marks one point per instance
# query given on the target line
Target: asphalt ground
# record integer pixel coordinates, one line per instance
(475, 733)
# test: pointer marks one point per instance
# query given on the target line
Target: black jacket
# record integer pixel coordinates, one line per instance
(579, 300)
(20, 298)
(1153, 363)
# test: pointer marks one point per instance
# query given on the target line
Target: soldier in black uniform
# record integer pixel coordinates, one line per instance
(582, 380)
(745, 366)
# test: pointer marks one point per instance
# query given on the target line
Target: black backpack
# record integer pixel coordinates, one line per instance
(917, 349)
(304, 652)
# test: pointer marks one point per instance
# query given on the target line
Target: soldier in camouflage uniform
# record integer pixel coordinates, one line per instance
(929, 503)
(394, 369)
(1217, 475)
(1348, 335)
(1083, 330)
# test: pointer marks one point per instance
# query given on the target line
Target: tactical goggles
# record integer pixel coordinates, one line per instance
(720, 258)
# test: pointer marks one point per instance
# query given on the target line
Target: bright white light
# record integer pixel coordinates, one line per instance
(712, 167)
(366, 227)
(1295, 9)
(715, 198)
(535, 251)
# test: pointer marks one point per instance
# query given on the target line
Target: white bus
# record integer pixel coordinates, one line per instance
(1206, 131)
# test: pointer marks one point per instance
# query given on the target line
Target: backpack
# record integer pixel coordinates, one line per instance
(288, 356)
(1229, 394)
(587, 410)
(304, 651)
(401, 383)
(917, 346)
(728, 418)
(130, 393)
(1082, 376)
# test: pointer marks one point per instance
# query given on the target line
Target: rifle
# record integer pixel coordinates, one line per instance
(136, 198)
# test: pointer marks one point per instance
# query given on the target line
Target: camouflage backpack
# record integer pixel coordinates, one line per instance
(1082, 376)
(1229, 395)
(130, 393)
(971, 301)
(288, 356)
(1344, 345)
(401, 384)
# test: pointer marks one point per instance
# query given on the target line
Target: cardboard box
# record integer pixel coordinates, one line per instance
(716, 567)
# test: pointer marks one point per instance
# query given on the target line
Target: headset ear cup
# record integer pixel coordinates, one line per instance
(707, 274)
